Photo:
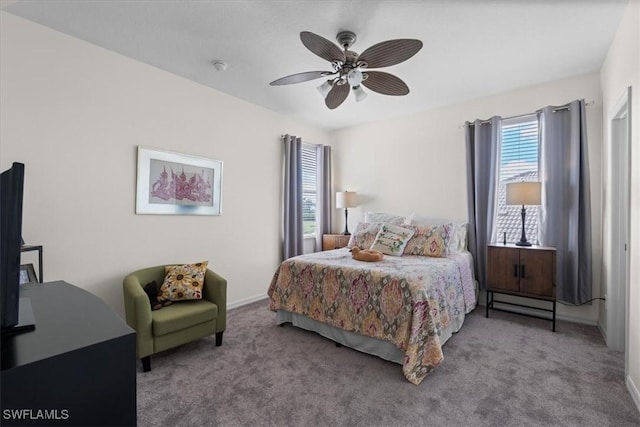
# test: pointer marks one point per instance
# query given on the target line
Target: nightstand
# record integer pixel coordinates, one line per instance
(334, 241)
(523, 271)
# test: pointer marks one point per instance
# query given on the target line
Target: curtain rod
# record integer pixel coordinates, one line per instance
(558, 108)
(303, 142)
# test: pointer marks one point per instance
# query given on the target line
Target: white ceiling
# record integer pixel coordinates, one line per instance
(471, 48)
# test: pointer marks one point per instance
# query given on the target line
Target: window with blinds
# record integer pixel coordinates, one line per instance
(519, 155)
(309, 189)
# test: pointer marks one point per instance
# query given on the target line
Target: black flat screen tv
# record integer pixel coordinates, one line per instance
(11, 194)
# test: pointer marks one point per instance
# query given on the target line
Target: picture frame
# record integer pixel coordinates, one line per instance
(170, 183)
(28, 274)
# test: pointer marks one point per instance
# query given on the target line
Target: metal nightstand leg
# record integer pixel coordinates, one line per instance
(489, 301)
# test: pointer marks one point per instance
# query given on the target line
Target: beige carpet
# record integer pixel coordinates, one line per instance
(507, 370)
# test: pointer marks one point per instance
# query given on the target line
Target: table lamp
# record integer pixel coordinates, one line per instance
(346, 200)
(523, 193)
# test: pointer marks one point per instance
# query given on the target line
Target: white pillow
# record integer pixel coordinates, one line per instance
(392, 239)
(373, 217)
(458, 241)
(426, 220)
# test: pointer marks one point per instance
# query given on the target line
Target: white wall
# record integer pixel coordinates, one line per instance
(620, 70)
(74, 113)
(417, 163)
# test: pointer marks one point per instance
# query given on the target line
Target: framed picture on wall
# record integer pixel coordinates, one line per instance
(177, 184)
(28, 274)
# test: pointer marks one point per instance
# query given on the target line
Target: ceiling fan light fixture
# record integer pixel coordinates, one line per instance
(324, 88)
(359, 93)
(354, 77)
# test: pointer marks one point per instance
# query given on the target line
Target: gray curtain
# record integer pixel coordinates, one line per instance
(565, 213)
(323, 198)
(292, 245)
(482, 144)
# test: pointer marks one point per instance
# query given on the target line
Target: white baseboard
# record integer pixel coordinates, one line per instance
(633, 390)
(246, 301)
(576, 319)
(602, 330)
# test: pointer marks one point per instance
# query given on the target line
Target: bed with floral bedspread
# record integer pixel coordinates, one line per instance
(414, 302)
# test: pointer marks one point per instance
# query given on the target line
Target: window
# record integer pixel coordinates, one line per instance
(518, 162)
(309, 189)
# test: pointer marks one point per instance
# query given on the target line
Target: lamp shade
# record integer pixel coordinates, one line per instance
(325, 88)
(359, 93)
(523, 193)
(346, 199)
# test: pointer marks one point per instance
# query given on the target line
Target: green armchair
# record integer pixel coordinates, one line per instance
(178, 323)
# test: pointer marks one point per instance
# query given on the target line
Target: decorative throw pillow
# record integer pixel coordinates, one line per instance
(183, 282)
(373, 217)
(429, 240)
(364, 235)
(392, 239)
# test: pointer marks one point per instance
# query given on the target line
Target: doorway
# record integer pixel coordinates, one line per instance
(618, 292)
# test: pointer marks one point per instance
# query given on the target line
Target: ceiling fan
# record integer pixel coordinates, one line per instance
(350, 70)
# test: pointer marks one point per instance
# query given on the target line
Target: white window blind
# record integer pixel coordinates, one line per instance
(309, 188)
(519, 155)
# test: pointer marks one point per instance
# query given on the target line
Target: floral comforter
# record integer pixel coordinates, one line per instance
(414, 302)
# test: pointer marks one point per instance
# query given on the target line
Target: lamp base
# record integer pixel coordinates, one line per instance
(346, 225)
(523, 236)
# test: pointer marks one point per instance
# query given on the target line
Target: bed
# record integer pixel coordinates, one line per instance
(402, 309)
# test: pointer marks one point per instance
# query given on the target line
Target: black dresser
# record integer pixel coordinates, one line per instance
(78, 368)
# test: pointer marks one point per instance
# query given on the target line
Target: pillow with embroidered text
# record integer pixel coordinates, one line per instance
(183, 282)
(392, 239)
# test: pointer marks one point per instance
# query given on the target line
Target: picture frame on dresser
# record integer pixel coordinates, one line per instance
(28, 274)
(170, 183)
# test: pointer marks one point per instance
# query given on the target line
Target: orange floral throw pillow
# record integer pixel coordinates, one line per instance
(429, 240)
(183, 282)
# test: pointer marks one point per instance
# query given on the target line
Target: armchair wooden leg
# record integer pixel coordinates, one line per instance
(146, 364)
(219, 338)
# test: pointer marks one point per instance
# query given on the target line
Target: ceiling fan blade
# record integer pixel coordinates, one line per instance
(385, 83)
(389, 53)
(337, 95)
(300, 77)
(322, 47)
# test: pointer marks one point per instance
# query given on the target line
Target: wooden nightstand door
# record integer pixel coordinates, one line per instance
(503, 268)
(537, 275)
